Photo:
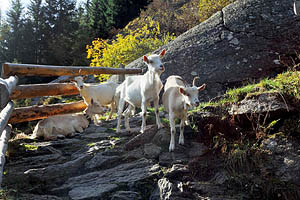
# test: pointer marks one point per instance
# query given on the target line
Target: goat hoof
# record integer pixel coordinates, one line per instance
(171, 148)
(181, 141)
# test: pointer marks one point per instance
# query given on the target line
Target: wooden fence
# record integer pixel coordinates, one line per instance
(9, 90)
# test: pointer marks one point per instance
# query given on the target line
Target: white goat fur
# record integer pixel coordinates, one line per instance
(103, 93)
(64, 125)
(141, 90)
(177, 99)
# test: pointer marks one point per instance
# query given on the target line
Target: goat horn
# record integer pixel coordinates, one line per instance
(194, 81)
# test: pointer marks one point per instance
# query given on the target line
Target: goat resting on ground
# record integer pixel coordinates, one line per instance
(65, 125)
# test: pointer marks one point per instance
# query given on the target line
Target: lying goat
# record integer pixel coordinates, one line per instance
(103, 94)
(65, 125)
(140, 90)
(177, 99)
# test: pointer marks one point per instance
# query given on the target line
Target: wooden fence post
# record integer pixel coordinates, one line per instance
(3, 147)
(121, 76)
(6, 88)
(5, 114)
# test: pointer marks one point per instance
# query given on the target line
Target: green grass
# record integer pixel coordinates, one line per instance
(287, 84)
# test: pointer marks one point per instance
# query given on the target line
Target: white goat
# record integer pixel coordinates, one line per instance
(140, 90)
(177, 99)
(103, 93)
(65, 125)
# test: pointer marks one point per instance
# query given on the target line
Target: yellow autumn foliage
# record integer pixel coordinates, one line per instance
(137, 39)
(207, 8)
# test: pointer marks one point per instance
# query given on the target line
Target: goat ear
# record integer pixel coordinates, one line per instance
(202, 87)
(162, 53)
(182, 91)
(146, 59)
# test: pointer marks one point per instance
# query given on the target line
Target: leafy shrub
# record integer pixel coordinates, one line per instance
(207, 8)
(178, 16)
(138, 38)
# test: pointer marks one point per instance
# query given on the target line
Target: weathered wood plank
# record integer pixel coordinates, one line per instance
(31, 113)
(39, 90)
(9, 69)
(3, 147)
(5, 114)
(6, 88)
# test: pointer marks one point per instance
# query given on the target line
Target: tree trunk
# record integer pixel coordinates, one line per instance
(41, 112)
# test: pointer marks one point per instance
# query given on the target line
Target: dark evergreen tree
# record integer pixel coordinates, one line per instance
(16, 23)
(60, 26)
(83, 35)
(97, 19)
(37, 21)
(4, 38)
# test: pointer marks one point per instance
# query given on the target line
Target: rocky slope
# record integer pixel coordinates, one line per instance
(100, 164)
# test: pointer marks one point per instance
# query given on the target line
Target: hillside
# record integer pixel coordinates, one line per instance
(244, 145)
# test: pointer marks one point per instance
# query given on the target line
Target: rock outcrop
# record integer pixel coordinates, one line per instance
(246, 40)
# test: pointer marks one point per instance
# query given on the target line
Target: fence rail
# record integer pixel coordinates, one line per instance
(10, 69)
(39, 90)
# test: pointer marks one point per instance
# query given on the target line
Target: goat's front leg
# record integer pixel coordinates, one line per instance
(144, 113)
(173, 132)
(181, 136)
(158, 122)
(120, 111)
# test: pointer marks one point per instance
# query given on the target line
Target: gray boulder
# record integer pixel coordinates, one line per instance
(238, 44)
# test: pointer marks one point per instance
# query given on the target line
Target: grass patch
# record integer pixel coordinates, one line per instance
(91, 144)
(30, 147)
(114, 138)
(287, 84)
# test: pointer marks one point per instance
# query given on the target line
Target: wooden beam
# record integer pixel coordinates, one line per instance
(3, 147)
(39, 90)
(6, 88)
(31, 113)
(9, 69)
(5, 114)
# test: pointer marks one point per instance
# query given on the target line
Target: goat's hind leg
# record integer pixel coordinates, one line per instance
(112, 109)
(158, 122)
(120, 111)
(127, 113)
(173, 132)
(144, 114)
(181, 136)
